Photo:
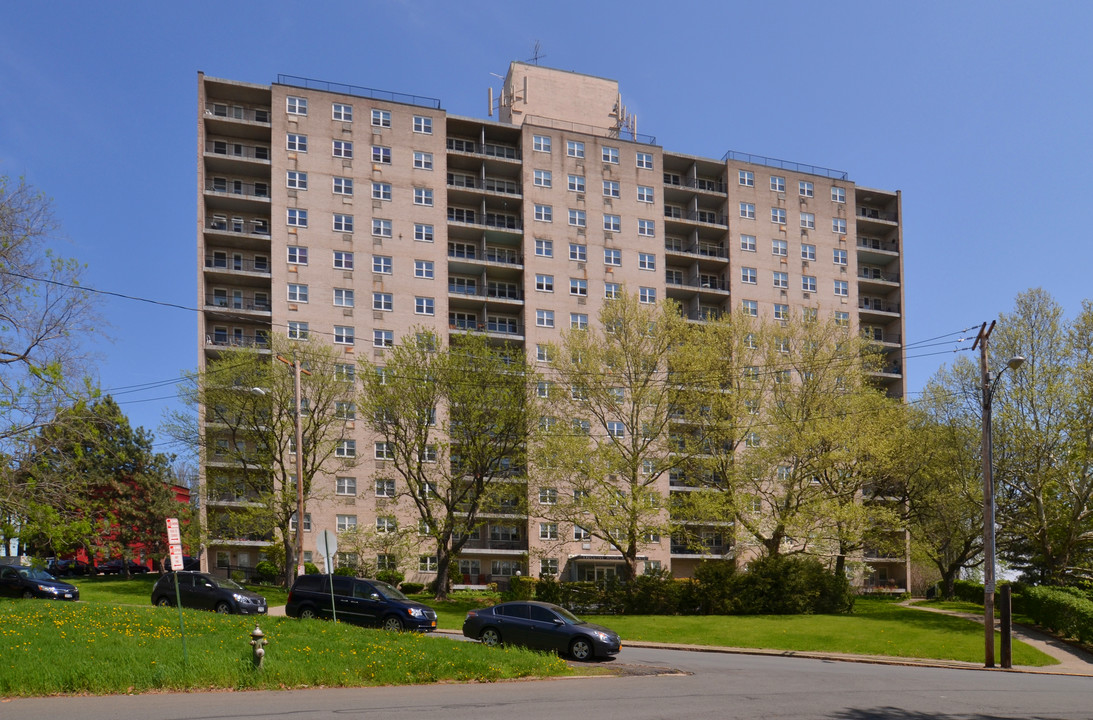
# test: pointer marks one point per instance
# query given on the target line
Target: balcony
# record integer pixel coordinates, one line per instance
(237, 195)
(228, 155)
(486, 149)
(218, 340)
(704, 217)
(237, 121)
(238, 302)
(236, 269)
(877, 305)
(869, 213)
(490, 220)
(500, 186)
(877, 275)
(507, 546)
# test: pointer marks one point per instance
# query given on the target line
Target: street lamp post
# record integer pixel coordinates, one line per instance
(986, 451)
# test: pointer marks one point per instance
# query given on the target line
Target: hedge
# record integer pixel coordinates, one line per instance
(1060, 611)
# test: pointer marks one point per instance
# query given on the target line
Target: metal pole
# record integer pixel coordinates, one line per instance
(299, 469)
(1005, 607)
(988, 503)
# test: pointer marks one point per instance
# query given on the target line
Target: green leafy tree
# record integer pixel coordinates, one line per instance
(452, 422)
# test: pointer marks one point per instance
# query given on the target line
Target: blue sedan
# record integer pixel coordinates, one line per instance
(541, 626)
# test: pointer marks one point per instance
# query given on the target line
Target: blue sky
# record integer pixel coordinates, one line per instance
(978, 111)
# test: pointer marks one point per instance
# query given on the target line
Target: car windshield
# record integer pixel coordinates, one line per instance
(228, 583)
(389, 591)
(35, 574)
(568, 616)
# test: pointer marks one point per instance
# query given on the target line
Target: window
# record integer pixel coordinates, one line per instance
(297, 255)
(343, 260)
(297, 217)
(386, 524)
(345, 372)
(383, 451)
(346, 522)
(423, 124)
(778, 216)
(381, 264)
(542, 389)
(610, 188)
(343, 223)
(346, 486)
(343, 112)
(343, 297)
(381, 118)
(346, 449)
(647, 295)
(752, 440)
(749, 275)
(747, 178)
(838, 256)
(381, 154)
(781, 279)
(574, 148)
(343, 186)
(750, 308)
(781, 312)
(576, 183)
(808, 220)
(777, 184)
(612, 291)
(548, 566)
(647, 227)
(578, 321)
(647, 261)
(612, 256)
(548, 531)
(616, 429)
(343, 335)
(779, 248)
(423, 196)
(381, 191)
(548, 496)
(747, 243)
(842, 318)
(842, 288)
(808, 283)
(423, 160)
(544, 248)
(578, 252)
(578, 287)
(540, 143)
(423, 233)
(544, 213)
(610, 155)
(644, 161)
(838, 225)
(343, 149)
(382, 301)
(381, 228)
(424, 306)
(297, 330)
(383, 338)
(345, 410)
(384, 488)
(543, 178)
(804, 189)
(428, 563)
(747, 210)
(297, 293)
(612, 223)
(542, 353)
(645, 194)
(808, 252)
(579, 533)
(838, 194)
(544, 283)
(296, 180)
(544, 318)
(576, 217)
(292, 523)
(423, 269)
(296, 143)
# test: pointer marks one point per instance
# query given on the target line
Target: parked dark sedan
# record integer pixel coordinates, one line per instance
(26, 582)
(115, 567)
(541, 626)
(61, 568)
(202, 591)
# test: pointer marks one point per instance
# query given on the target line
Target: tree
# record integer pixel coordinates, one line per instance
(243, 418)
(607, 438)
(450, 422)
(117, 494)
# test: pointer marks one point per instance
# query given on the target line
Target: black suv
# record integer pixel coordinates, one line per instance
(357, 601)
(202, 591)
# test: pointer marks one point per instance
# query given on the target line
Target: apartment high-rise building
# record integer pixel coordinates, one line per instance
(356, 214)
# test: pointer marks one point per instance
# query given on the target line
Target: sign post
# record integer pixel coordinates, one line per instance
(328, 545)
(174, 540)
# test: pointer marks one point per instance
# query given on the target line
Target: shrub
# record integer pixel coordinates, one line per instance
(391, 577)
(521, 587)
(548, 590)
(654, 593)
(714, 587)
(347, 570)
(267, 573)
(1061, 612)
(790, 586)
(311, 569)
(968, 591)
(412, 588)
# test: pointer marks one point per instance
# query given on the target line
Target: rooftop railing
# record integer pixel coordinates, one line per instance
(784, 165)
(358, 91)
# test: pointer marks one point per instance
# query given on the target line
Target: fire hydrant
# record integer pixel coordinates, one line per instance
(258, 642)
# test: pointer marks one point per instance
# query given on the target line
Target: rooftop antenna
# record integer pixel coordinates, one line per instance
(507, 98)
(625, 121)
(536, 53)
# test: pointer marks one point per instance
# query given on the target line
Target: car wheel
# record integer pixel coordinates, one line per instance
(581, 649)
(308, 613)
(163, 601)
(392, 624)
(27, 595)
(491, 637)
(223, 608)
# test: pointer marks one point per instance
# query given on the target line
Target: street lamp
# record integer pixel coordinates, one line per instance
(986, 451)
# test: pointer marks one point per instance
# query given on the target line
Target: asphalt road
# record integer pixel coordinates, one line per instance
(662, 684)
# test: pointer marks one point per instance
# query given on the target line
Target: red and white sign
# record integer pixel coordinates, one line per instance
(174, 539)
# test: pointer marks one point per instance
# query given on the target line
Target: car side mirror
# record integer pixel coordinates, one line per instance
(558, 621)
(374, 596)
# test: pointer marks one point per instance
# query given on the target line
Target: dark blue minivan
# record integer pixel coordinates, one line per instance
(358, 601)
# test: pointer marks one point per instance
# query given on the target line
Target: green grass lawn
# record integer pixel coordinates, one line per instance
(49, 647)
(137, 590)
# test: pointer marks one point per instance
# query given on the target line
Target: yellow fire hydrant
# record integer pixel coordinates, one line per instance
(258, 643)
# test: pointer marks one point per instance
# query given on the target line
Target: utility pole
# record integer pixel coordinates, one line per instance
(988, 498)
